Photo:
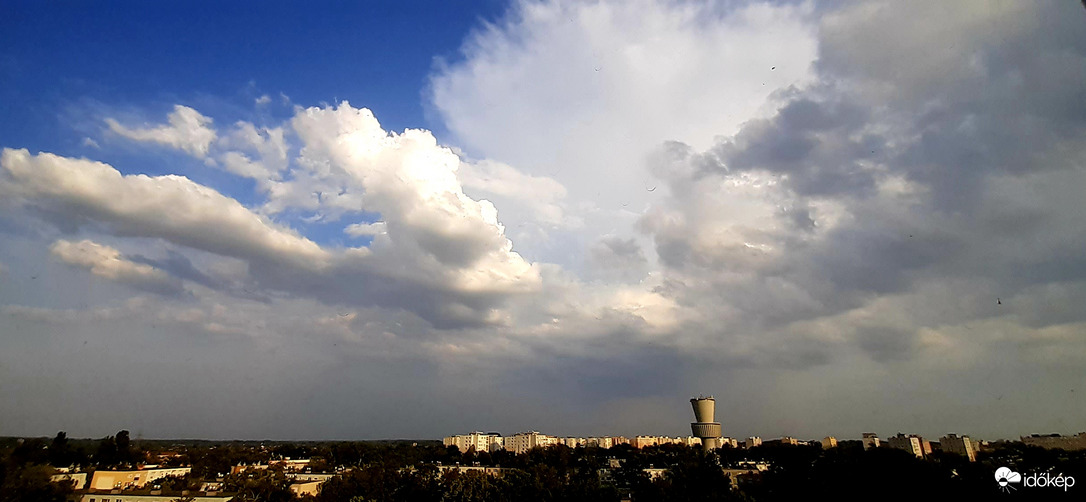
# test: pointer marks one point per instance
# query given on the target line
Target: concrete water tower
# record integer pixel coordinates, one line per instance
(704, 427)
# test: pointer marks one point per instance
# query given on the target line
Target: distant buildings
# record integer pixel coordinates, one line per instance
(288, 465)
(783, 441)
(911, 443)
(829, 442)
(132, 497)
(643, 441)
(961, 445)
(477, 441)
(524, 441)
(1076, 442)
(77, 479)
(521, 442)
(490, 471)
(871, 440)
(109, 480)
(752, 441)
(305, 488)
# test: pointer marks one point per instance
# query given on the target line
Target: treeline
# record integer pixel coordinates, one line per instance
(549, 474)
(405, 471)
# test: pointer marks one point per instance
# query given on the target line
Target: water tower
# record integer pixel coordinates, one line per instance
(704, 427)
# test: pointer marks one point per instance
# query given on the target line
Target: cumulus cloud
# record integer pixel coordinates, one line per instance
(541, 195)
(588, 90)
(641, 218)
(365, 229)
(433, 244)
(168, 207)
(411, 182)
(846, 196)
(105, 261)
(614, 257)
(186, 130)
(260, 154)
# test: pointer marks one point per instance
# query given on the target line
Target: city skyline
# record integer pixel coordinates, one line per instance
(378, 221)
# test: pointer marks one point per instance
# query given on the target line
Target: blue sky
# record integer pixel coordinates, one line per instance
(142, 57)
(126, 53)
(552, 215)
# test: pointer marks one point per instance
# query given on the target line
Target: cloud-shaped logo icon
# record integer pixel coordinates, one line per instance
(1005, 476)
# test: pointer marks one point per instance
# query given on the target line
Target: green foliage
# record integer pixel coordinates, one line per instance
(30, 483)
(263, 485)
(400, 471)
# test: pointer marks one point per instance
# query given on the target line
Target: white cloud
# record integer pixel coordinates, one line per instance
(411, 182)
(849, 225)
(107, 262)
(257, 153)
(187, 130)
(263, 100)
(169, 207)
(581, 93)
(365, 229)
(539, 196)
(434, 244)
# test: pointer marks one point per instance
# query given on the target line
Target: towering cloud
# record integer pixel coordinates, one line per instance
(870, 205)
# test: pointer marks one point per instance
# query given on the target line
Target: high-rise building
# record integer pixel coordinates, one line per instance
(871, 440)
(521, 442)
(1076, 442)
(704, 427)
(961, 445)
(478, 441)
(911, 443)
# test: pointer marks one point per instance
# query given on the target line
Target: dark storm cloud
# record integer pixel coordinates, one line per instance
(819, 145)
(613, 257)
(915, 197)
(940, 168)
(605, 370)
(178, 265)
(887, 344)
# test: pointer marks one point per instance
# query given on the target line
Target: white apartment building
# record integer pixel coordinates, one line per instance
(912, 443)
(521, 442)
(479, 441)
(961, 445)
(602, 442)
(108, 480)
(128, 497)
(871, 440)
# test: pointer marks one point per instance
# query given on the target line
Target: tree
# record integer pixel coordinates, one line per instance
(32, 483)
(263, 485)
(106, 455)
(60, 454)
(124, 447)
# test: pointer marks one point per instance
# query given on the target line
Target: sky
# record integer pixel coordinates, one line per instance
(362, 220)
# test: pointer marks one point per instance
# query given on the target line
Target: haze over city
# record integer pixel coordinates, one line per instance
(358, 221)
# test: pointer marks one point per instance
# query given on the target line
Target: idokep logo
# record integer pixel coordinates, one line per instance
(1007, 478)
